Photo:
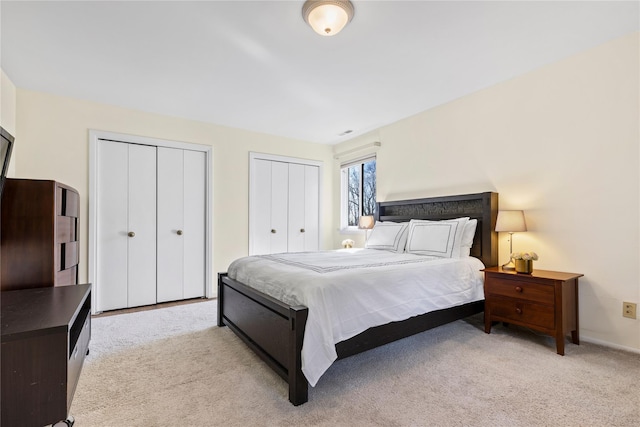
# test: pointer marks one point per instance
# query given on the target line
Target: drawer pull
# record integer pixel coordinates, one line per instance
(518, 310)
(518, 289)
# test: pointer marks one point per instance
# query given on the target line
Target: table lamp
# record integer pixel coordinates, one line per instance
(366, 222)
(510, 222)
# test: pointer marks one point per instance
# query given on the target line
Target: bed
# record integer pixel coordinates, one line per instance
(275, 329)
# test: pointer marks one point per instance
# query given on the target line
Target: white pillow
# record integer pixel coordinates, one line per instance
(389, 236)
(436, 238)
(468, 233)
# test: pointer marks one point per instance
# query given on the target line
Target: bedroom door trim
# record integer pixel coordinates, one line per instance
(95, 136)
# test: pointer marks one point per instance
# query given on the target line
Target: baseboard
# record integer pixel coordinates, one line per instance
(609, 344)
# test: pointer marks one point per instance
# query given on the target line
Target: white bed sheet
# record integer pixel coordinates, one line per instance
(348, 291)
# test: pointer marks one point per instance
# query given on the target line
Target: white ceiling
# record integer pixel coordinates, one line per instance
(257, 65)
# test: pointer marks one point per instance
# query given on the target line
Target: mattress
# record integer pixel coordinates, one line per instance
(348, 291)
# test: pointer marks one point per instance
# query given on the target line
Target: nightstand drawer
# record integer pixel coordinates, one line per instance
(534, 292)
(522, 312)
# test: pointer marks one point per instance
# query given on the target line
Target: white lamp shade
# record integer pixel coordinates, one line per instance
(366, 222)
(327, 18)
(511, 221)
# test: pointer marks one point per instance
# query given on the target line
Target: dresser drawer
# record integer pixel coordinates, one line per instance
(66, 229)
(522, 312)
(67, 277)
(72, 205)
(534, 292)
(68, 202)
(70, 254)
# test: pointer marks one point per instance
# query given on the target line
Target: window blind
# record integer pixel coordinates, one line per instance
(357, 161)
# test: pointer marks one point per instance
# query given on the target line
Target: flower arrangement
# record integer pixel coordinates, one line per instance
(529, 256)
(348, 243)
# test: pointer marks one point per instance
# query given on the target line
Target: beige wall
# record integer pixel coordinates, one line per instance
(561, 143)
(53, 144)
(8, 112)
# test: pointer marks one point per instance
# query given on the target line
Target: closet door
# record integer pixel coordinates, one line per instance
(269, 198)
(284, 205)
(141, 234)
(296, 208)
(170, 224)
(279, 202)
(181, 224)
(260, 206)
(112, 212)
(303, 208)
(311, 208)
(195, 163)
(126, 222)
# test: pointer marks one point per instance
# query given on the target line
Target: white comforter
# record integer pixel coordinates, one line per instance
(350, 290)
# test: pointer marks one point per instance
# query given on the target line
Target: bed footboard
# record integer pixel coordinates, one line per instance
(271, 328)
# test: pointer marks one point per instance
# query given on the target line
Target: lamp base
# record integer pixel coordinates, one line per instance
(509, 266)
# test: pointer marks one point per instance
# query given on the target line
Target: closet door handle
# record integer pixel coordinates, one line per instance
(302, 230)
(131, 234)
(179, 232)
(273, 231)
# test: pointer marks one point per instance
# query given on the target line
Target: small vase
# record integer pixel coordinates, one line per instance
(524, 266)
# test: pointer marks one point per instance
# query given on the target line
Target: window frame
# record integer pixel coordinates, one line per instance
(344, 191)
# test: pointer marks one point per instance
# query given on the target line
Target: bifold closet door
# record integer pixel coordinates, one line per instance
(126, 225)
(141, 237)
(269, 224)
(181, 224)
(303, 206)
(195, 178)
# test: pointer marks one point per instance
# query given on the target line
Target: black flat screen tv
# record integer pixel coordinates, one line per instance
(6, 145)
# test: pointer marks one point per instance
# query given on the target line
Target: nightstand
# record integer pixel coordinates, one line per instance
(546, 301)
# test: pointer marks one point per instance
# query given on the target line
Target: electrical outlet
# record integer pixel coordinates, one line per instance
(629, 309)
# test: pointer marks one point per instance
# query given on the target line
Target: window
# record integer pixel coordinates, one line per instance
(358, 182)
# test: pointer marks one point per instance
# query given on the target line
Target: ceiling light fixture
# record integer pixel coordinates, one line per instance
(327, 17)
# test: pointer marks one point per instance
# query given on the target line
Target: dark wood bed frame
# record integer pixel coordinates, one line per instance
(275, 330)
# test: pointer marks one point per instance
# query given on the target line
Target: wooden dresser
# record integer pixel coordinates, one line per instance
(45, 337)
(39, 234)
(546, 301)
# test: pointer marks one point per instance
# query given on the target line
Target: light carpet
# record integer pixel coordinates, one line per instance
(174, 367)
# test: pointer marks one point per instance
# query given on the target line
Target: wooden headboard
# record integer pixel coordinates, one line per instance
(481, 206)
